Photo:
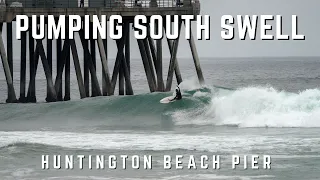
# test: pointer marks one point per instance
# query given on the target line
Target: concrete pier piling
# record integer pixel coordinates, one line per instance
(23, 66)
(77, 69)
(173, 64)
(67, 67)
(31, 97)
(10, 52)
(49, 59)
(11, 93)
(104, 54)
(129, 90)
(58, 84)
(59, 66)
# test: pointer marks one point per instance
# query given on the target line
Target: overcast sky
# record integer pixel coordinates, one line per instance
(217, 47)
(307, 12)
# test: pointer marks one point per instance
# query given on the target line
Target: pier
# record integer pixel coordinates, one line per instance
(150, 49)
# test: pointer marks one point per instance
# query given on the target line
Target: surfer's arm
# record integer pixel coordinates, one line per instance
(175, 98)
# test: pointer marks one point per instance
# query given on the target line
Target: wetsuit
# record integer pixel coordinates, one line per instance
(178, 94)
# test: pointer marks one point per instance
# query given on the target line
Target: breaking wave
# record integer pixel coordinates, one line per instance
(209, 105)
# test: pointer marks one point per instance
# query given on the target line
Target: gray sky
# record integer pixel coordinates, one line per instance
(307, 12)
(217, 47)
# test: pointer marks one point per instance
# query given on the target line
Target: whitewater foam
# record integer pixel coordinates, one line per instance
(213, 142)
(257, 107)
(261, 107)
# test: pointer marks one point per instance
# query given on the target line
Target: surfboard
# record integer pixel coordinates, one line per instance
(168, 99)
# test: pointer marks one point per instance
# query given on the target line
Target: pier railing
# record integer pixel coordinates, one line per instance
(97, 3)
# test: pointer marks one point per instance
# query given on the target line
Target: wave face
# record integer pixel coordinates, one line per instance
(217, 106)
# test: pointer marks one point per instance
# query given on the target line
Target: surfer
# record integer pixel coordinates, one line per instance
(175, 96)
(178, 94)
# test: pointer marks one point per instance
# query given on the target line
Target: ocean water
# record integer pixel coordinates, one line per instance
(249, 106)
